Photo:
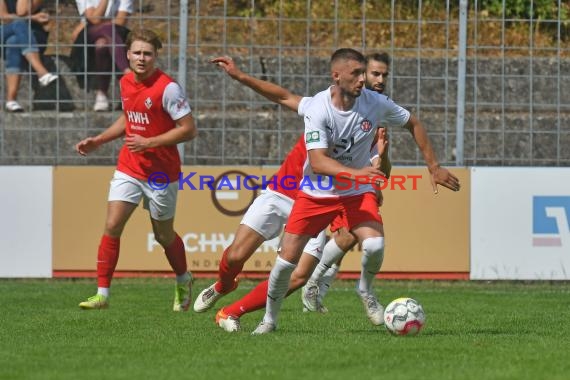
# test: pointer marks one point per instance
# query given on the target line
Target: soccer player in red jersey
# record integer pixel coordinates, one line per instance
(156, 116)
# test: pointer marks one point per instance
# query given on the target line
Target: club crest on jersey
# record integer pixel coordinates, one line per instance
(180, 104)
(313, 136)
(148, 103)
(366, 125)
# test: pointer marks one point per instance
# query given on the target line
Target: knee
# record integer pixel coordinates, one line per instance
(164, 238)
(344, 239)
(113, 229)
(373, 246)
(237, 255)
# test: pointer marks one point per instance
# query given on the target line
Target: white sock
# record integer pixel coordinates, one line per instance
(278, 286)
(327, 279)
(372, 257)
(103, 291)
(182, 278)
(331, 254)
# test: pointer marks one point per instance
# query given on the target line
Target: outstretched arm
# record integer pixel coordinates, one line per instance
(116, 130)
(439, 175)
(271, 91)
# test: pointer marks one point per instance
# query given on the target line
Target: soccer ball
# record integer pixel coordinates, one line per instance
(404, 316)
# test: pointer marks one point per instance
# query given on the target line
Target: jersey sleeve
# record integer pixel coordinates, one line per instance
(303, 105)
(174, 101)
(316, 132)
(394, 115)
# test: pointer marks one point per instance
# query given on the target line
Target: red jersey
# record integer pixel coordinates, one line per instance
(150, 111)
(290, 174)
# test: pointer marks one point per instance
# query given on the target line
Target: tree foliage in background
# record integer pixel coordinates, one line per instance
(527, 9)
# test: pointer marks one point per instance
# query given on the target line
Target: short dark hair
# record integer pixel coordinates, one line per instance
(347, 54)
(145, 35)
(380, 57)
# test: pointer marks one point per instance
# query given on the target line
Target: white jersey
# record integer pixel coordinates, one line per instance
(347, 135)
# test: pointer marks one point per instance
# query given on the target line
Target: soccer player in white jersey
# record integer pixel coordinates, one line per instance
(265, 218)
(228, 317)
(313, 293)
(340, 126)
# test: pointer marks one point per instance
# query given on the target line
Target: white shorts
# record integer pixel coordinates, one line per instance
(316, 245)
(160, 203)
(268, 214)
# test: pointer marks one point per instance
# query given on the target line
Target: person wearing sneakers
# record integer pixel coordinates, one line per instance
(313, 293)
(19, 43)
(263, 220)
(104, 23)
(340, 125)
(228, 317)
(156, 116)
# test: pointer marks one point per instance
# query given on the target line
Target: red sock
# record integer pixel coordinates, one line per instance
(252, 301)
(227, 274)
(176, 255)
(107, 258)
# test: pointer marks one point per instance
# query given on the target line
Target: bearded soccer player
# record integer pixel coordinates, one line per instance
(340, 127)
(156, 116)
(264, 218)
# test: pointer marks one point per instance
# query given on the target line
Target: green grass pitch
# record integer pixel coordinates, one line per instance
(474, 330)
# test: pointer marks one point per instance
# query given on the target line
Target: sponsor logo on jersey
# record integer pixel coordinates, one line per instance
(313, 136)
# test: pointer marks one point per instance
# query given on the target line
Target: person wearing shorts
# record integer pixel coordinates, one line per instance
(265, 218)
(156, 116)
(340, 127)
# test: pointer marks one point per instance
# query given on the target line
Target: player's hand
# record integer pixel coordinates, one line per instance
(228, 65)
(383, 142)
(442, 176)
(137, 143)
(86, 146)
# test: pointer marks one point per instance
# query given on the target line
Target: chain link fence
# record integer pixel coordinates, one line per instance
(512, 71)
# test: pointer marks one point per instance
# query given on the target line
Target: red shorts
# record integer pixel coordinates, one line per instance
(311, 215)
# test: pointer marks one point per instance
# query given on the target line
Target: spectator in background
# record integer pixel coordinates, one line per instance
(18, 41)
(104, 33)
(39, 19)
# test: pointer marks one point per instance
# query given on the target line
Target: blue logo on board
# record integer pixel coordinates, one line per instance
(550, 224)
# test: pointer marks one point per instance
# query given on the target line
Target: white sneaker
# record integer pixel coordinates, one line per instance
(310, 295)
(46, 79)
(13, 106)
(208, 298)
(374, 311)
(264, 328)
(227, 322)
(101, 103)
